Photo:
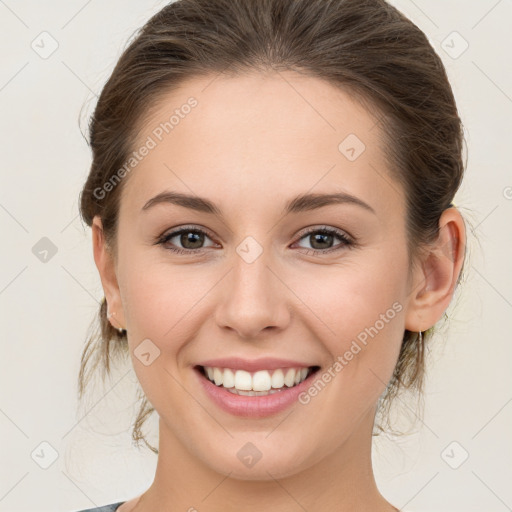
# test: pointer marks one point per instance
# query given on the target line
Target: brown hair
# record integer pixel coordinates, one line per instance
(366, 47)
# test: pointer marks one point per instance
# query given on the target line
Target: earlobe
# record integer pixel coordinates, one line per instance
(437, 276)
(106, 267)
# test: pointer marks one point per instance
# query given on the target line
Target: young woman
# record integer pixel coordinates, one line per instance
(270, 200)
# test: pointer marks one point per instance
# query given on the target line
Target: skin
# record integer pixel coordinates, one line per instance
(252, 143)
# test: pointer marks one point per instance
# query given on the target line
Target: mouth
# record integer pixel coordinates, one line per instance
(258, 383)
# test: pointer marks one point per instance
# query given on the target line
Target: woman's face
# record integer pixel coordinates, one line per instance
(252, 286)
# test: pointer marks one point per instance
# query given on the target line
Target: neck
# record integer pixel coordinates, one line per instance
(341, 481)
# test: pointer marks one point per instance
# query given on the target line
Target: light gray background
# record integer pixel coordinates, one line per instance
(46, 307)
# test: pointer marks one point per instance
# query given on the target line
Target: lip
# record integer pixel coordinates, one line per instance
(254, 365)
(253, 406)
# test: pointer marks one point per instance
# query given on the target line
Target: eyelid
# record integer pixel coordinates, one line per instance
(185, 227)
(171, 233)
(325, 227)
(347, 241)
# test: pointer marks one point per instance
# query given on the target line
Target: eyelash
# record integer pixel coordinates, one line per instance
(346, 241)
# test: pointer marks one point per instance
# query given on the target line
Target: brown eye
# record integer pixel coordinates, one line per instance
(321, 240)
(191, 239)
(184, 240)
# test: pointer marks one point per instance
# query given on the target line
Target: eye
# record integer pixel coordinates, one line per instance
(321, 240)
(191, 240)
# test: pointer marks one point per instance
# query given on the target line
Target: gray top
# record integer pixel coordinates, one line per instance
(105, 508)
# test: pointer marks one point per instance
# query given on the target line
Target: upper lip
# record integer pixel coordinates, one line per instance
(253, 365)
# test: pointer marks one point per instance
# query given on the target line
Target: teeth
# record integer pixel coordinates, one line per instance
(254, 393)
(228, 379)
(262, 382)
(217, 376)
(278, 379)
(289, 378)
(243, 381)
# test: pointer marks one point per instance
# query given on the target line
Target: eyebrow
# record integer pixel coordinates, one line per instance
(301, 203)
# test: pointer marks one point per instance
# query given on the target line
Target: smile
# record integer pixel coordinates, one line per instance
(254, 394)
(260, 383)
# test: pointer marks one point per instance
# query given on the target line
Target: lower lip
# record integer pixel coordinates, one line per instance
(252, 406)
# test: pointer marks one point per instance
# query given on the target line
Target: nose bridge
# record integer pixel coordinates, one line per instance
(251, 275)
(255, 298)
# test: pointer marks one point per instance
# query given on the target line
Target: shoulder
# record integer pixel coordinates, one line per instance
(105, 508)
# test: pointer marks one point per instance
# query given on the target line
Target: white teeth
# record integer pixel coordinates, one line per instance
(258, 383)
(289, 377)
(228, 379)
(243, 380)
(278, 379)
(261, 381)
(217, 376)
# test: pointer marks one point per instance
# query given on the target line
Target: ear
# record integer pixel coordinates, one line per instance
(106, 267)
(434, 280)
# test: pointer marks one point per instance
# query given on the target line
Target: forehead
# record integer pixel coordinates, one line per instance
(260, 134)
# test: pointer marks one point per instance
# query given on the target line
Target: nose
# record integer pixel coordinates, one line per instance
(254, 299)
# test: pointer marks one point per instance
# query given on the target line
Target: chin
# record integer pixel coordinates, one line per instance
(253, 461)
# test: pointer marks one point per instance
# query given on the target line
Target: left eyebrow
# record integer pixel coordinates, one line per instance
(301, 203)
(200, 204)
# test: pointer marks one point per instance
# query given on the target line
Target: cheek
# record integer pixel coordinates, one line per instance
(347, 298)
(159, 305)
(359, 316)
(157, 295)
